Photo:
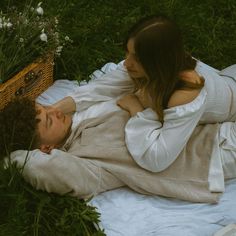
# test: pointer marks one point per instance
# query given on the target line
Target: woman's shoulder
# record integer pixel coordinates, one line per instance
(194, 83)
(191, 76)
(181, 97)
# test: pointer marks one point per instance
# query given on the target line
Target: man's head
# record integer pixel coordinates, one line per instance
(26, 125)
(18, 126)
(53, 127)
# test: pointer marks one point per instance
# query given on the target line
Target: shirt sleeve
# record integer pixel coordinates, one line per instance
(62, 173)
(109, 86)
(155, 147)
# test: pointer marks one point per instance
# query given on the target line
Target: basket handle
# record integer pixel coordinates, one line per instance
(31, 79)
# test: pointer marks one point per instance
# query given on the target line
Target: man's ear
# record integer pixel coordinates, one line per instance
(46, 148)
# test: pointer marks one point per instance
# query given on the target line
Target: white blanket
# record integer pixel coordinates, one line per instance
(124, 212)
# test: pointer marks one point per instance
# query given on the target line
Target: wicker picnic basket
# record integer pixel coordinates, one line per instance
(30, 82)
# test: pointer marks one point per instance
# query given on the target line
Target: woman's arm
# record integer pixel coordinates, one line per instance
(155, 146)
(109, 86)
(101, 88)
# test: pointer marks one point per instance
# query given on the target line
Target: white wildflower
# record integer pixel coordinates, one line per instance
(39, 4)
(56, 21)
(21, 40)
(9, 25)
(67, 38)
(59, 49)
(40, 11)
(43, 36)
(56, 34)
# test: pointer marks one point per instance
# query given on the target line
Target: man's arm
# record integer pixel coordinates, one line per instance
(109, 86)
(66, 105)
(63, 173)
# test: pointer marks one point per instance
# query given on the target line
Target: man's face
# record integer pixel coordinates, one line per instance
(53, 127)
(134, 68)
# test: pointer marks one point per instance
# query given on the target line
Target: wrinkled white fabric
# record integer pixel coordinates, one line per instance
(135, 214)
(126, 213)
(109, 86)
(145, 138)
(155, 147)
(215, 103)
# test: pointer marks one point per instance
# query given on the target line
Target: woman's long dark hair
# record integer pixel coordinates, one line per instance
(159, 49)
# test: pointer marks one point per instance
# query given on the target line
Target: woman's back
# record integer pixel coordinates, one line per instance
(220, 95)
(220, 102)
(183, 96)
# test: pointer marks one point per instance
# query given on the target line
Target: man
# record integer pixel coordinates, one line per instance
(93, 156)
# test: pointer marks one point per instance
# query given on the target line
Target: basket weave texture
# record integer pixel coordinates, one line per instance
(30, 82)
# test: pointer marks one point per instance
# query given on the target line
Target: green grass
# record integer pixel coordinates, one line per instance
(98, 28)
(26, 211)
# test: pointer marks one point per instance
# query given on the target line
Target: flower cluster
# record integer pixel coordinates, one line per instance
(25, 36)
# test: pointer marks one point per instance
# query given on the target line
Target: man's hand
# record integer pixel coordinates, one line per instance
(131, 104)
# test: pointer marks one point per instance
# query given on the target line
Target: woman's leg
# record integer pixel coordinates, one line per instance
(227, 144)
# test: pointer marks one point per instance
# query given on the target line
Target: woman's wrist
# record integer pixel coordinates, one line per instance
(134, 110)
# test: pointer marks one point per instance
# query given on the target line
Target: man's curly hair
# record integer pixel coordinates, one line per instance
(18, 126)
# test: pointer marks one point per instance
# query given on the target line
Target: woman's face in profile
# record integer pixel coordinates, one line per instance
(134, 68)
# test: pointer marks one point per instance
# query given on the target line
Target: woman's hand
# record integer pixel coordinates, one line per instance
(131, 104)
(144, 98)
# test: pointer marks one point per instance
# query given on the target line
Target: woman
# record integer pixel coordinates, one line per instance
(174, 94)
